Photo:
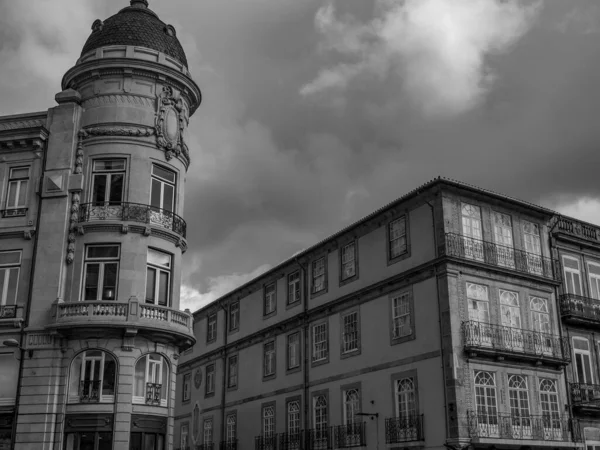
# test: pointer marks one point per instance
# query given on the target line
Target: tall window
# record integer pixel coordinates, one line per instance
(405, 398)
(351, 406)
(187, 387)
(107, 181)
(583, 360)
(162, 195)
(485, 399)
(293, 417)
(321, 417)
(207, 435)
(320, 344)
(269, 359)
(572, 275)
(196, 422)
(401, 315)
(270, 299)
(350, 332)
(101, 269)
(477, 297)
(16, 198)
(471, 226)
(211, 327)
(539, 314)
(232, 372)
(397, 236)
(518, 395)
(509, 309)
(549, 398)
(185, 432)
(158, 277)
(293, 288)
(151, 380)
(234, 316)
(318, 275)
(503, 236)
(268, 422)
(594, 271)
(210, 379)
(231, 428)
(293, 350)
(92, 378)
(533, 247)
(348, 261)
(10, 263)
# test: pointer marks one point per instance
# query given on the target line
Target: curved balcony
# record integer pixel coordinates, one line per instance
(132, 316)
(133, 212)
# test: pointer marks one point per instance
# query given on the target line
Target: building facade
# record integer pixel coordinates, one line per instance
(91, 245)
(433, 322)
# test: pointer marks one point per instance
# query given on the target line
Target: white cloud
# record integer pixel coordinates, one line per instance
(586, 209)
(437, 48)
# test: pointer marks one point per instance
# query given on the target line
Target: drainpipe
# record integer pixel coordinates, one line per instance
(305, 367)
(224, 384)
(437, 290)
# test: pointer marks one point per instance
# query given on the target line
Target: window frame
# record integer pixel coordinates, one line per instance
(187, 382)
(288, 401)
(354, 351)
(210, 388)
(272, 354)
(235, 360)
(589, 354)
(165, 369)
(231, 313)
(270, 299)
(298, 290)
(297, 367)
(159, 269)
(208, 420)
(228, 438)
(343, 389)
(394, 340)
(348, 279)
(572, 271)
(211, 332)
(80, 377)
(325, 275)
(388, 245)
(325, 359)
(184, 426)
(163, 181)
(7, 268)
(313, 416)
(18, 180)
(263, 407)
(108, 173)
(101, 262)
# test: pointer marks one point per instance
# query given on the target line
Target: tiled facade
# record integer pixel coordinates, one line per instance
(91, 245)
(441, 329)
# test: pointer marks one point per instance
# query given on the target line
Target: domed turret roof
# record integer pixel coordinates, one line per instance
(136, 25)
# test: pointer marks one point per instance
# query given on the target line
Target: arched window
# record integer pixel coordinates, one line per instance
(151, 382)
(485, 398)
(320, 416)
(351, 406)
(92, 378)
(405, 395)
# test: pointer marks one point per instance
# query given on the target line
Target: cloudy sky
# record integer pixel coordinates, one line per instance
(317, 112)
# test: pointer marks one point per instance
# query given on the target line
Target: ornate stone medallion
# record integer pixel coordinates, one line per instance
(172, 118)
(198, 378)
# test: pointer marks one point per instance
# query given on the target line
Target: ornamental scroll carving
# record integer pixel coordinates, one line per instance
(75, 199)
(172, 119)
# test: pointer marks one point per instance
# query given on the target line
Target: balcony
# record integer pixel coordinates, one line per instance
(89, 391)
(350, 435)
(265, 442)
(228, 445)
(580, 310)
(318, 439)
(585, 398)
(404, 429)
(491, 254)
(500, 342)
(132, 316)
(153, 391)
(529, 428)
(133, 212)
(291, 441)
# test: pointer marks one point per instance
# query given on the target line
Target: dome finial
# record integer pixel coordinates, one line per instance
(139, 3)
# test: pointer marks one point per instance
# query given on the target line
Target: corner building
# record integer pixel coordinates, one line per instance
(91, 245)
(433, 322)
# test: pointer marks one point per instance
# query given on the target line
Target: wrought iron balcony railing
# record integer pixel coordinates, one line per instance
(585, 395)
(581, 309)
(89, 391)
(133, 212)
(498, 340)
(537, 428)
(265, 442)
(349, 435)
(14, 212)
(8, 311)
(292, 440)
(228, 445)
(465, 247)
(319, 438)
(153, 391)
(209, 446)
(404, 429)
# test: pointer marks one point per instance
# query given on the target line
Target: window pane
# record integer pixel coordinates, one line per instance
(139, 388)
(163, 173)
(155, 193)
(92, 274)
(168, 195)
(163, 288)
(110, 281)
(99, 189)
(13, 281)
(23, 193)
(150, 285)
(10, 258)
(109, 164)
(11, 199)
(20, 172)
(104, 251)
(116, 188)
(159, 258)
(108, 378)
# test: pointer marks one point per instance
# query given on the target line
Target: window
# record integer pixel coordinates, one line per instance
(533, 247)
(207, 435)
(293, 288)
(350, 332)
(210, 379)
(158, 278)
(594, 273)
(572, 275)
(232, 372)
(397, 237)
(549, 399)
(348, 261)
(101, 269)
(16, 197)
(503, 236)
(234, 316)
(472, 231)
(231, 429)
(351, 398)
(108, 176)
(92, 378)
(185, 431)
(539, 315)
(583, 361)
(269, 359)
(270, 299)
(406, 406)
(293, 351)
(293, 417)
(320, 342)
(268, 420)
(509, 309)
(477, 297)
(401, 315)
(151, 380)
(196, 423)
(321, 419)
(319, 282)
(485, 399)
(187, 387)
(518, 396)
(211, 327)
(162, 194)
(10, 263)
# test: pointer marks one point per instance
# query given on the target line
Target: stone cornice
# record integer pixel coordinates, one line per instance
(23, 121)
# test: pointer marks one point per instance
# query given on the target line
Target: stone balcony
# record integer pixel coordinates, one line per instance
(579, 231)
(133, 317)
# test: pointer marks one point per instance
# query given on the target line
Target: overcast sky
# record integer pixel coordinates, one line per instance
(317, 112)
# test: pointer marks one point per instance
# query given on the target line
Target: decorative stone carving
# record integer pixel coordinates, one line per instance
(172, 118)
(27, 234)
(124, 229)
(147, 231)
(97, 25)
(119, 131)
(197, 378)
(75, 200)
